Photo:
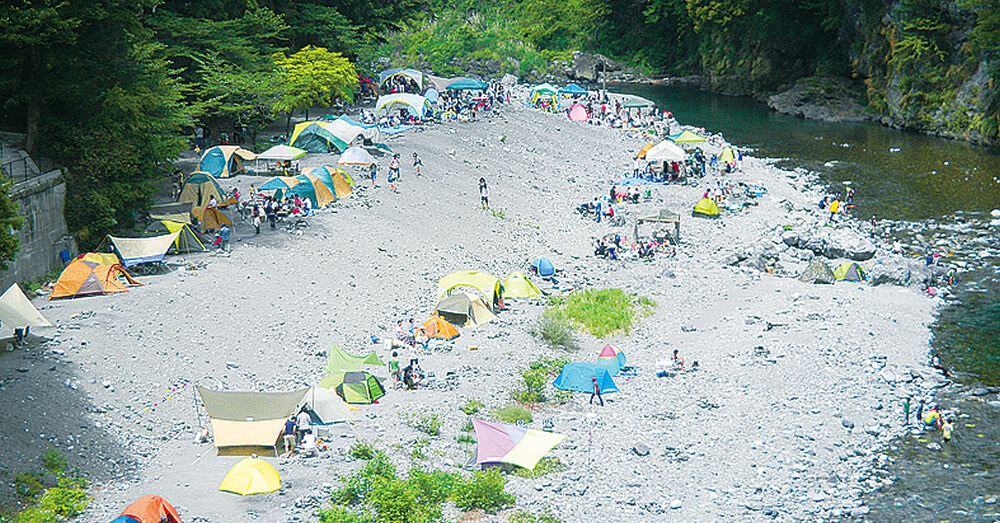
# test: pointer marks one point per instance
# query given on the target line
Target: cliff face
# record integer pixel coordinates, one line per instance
(914, 61)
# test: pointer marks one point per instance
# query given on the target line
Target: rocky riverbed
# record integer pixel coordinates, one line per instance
(797, 390)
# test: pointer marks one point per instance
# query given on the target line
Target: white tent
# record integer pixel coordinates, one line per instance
(349, 132)
(16, 310)
(326, 404)
(355, 156)
(665, 151)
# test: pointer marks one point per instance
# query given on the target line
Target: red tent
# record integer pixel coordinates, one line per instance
(149, 509)
(578, 113)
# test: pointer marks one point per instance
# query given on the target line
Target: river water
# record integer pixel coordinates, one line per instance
(936, 194)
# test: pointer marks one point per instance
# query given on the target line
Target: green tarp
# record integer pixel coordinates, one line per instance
(248, 406)
(340, 361)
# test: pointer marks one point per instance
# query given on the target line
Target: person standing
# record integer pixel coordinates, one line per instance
(947, 428)
(224, 233)
(199, 138)
(417, 162)
(393, 367)
(597, 392)
(394, 166)
(484, 193)
(256, 218)
(906, 411)
(920, 410)
(373, 172)
(392, 180)
(289, 435)
(303, 420)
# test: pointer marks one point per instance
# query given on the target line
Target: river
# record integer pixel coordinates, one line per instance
(936, 194)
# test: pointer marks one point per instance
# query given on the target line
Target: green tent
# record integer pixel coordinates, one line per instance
(187, 240)
(316, 139)
(355, 387)
(849, 271)
(340, 361)
(706, 207)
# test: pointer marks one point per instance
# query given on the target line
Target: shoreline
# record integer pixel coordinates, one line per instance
(749, 419)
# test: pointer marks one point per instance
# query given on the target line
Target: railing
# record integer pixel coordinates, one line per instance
(23, 168)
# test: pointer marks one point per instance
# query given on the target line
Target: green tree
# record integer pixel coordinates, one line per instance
(10, 220)
(245, 96)
(314, 76)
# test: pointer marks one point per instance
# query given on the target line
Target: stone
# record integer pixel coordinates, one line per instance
(588, 67)
(979, 391)
(640, 449)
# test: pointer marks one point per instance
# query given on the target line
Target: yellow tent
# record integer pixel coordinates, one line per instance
(187, 240)
(706, 207)
(199, 189)
(211, 218)
(727, 155)
(17, 311)
(517, 285)
(251, 476)
(645, 148)
(485, 283)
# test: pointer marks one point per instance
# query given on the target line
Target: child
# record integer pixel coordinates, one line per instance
(417, 162)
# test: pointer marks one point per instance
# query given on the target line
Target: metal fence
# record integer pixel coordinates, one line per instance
(22, 168)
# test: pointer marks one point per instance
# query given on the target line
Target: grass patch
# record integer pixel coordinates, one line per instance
(465, 438)
(512, 413)
(527, 517)
(56, 494)
(602, 312)
(543, 467)
(425, 422)
(362, 450)
(471, 406)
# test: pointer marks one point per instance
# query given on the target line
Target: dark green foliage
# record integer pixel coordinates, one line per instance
(536, 377)
(471, 406)
(526, 517)
(362, 450)
(49, 502)
(10, 221)
(512, 413)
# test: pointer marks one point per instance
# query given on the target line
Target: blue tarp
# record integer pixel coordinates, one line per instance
(395, 130)
(125, 519)
(543, 267)
(577, 377)
(628, 180)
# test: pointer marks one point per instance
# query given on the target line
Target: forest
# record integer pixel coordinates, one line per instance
(112, 89)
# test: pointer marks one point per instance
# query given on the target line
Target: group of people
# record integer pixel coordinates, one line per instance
(298, 434)
(837, 206)
(597, 209)
(614, 246)
(934, 418)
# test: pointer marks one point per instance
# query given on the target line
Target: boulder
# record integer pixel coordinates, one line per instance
(834, 243)
(901, 271)
(587, 67)
(818, 272)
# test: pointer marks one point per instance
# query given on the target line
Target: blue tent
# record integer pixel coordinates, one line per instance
(543, 267)
(573, 89)
(577, 377)
(432, 94)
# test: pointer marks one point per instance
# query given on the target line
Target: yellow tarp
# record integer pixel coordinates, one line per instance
(262, 433)
(487, 284)
(134, 251)
(17, 311)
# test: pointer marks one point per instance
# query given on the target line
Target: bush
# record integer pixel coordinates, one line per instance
(35, 515)
(471, 407)
(536, 378)
(483, 491)
(362, 450)
(555, 330)
(53, 462)
(28, 486)
(435, 486)
(465, 438)
(64, 501)
(358, 486)
(340, 515)
(468, 427)
(513, 413)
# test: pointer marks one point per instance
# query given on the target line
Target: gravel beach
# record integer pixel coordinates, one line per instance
(798, 388)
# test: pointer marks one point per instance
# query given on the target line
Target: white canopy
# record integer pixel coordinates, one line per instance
(349, 132)
(665, 151)
(327, 405)
(282, 152)
(17, 311)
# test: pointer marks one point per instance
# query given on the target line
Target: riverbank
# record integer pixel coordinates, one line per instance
(786, 413)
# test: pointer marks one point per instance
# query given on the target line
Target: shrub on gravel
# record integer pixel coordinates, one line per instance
(605, 311)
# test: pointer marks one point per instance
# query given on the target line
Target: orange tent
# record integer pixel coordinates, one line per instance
(438, 327)
(152, 509)
(645, 149)
(211, 218)
(83, 277)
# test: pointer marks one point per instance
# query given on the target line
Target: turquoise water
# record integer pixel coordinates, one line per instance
(936, 191)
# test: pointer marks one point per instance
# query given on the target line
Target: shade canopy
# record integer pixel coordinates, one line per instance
(485, 283)
(17, 311)
(665, 151)
(251, 476)
(686, 137)
(467, 84)
(135, 251)
(506, 443)
(414, 103)
(282, 152)
(243, 419)
(633, 102)
(341, 361)
(573, 89)
(544, 89)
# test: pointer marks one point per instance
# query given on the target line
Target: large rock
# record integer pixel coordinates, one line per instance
(820, 98)
(587, 67)
(818, 272)
(897, 270)
(833, 243)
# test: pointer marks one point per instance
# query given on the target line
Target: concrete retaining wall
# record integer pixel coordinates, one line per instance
(44, 234)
